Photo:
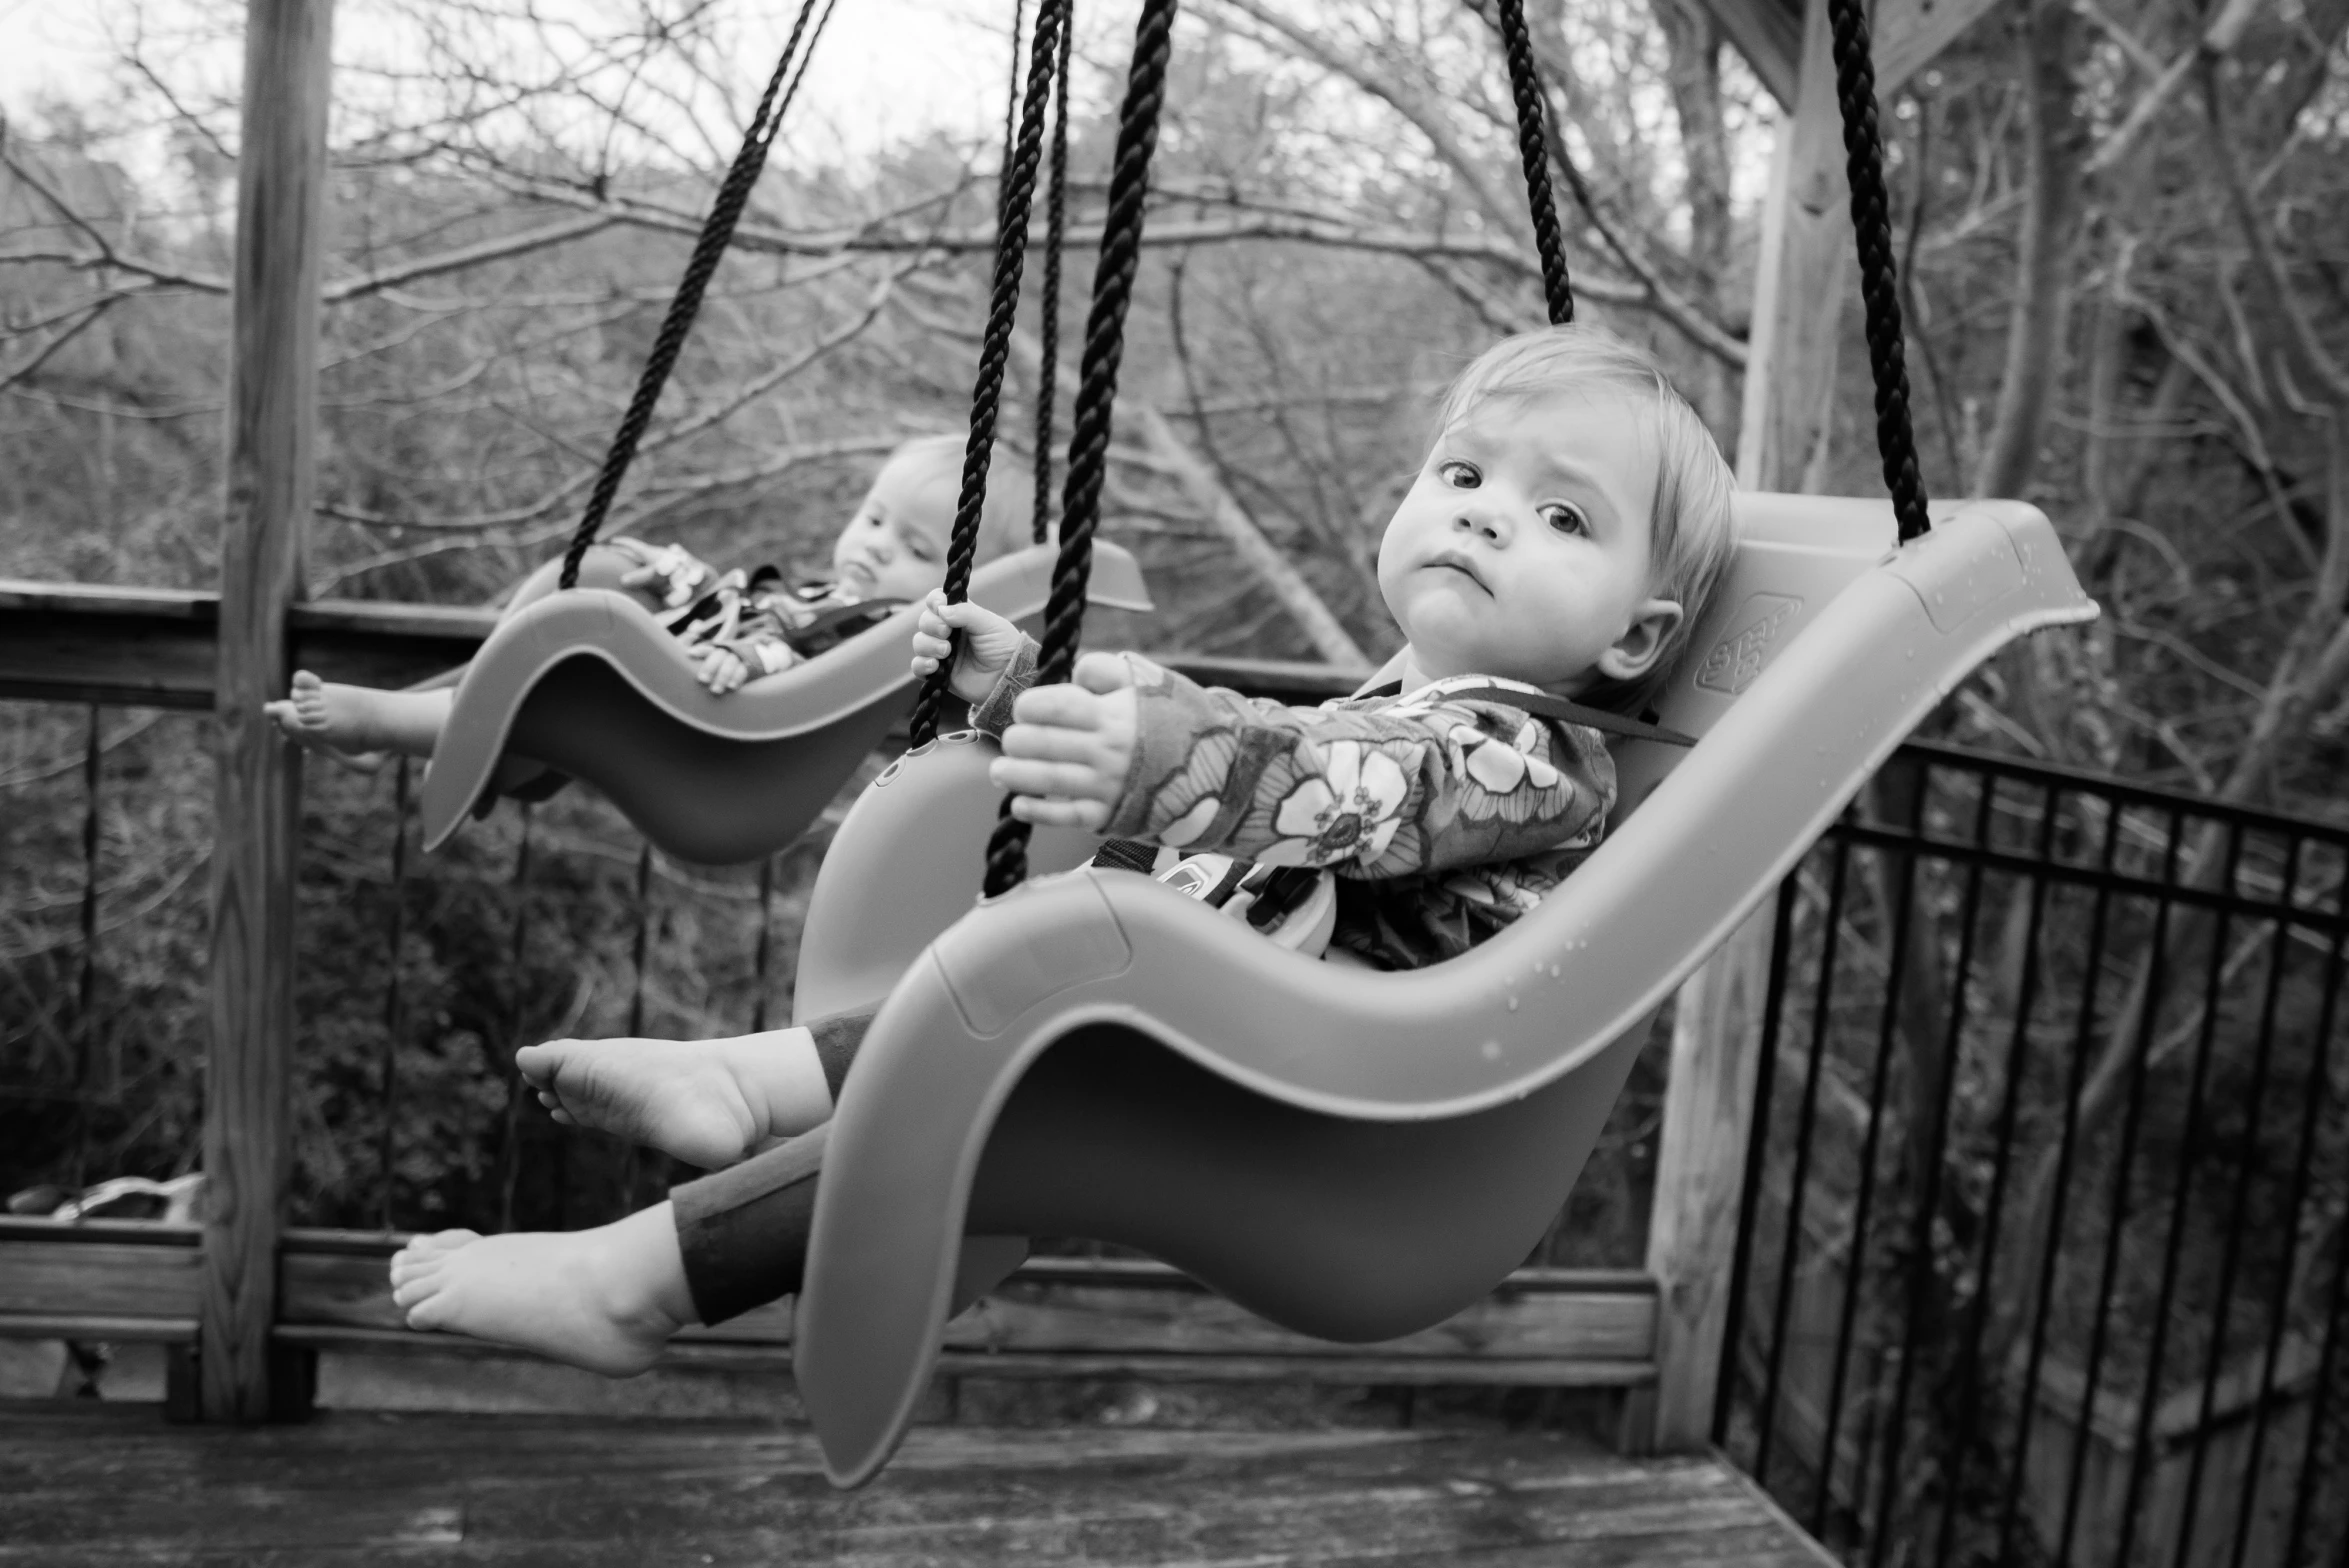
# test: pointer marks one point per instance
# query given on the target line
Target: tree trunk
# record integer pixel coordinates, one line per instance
(2057, 142)
(1692, 41)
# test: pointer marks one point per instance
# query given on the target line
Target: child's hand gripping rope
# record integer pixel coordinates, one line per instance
(1068, 748)
(989, 643)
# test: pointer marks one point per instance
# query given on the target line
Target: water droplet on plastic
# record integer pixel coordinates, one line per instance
(1512, 1004)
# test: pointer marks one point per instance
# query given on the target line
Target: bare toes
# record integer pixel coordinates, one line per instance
(440, 1241)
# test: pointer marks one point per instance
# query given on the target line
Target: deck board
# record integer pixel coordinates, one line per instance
(88, 1484)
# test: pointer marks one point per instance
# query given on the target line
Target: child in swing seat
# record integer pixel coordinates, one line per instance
(738, 625)
(1562, 536)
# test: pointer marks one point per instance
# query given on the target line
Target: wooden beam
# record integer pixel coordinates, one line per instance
(1769, 34)
(1799, 299)
(1801, 283)
(149, 647)
(135, 647)
(273, 407)
(1907, 35)
(123, 1273)
(1055, 1317)
(1087, 1317)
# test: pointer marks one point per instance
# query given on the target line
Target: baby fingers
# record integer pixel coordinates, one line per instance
(1071, 780)
(1090, 816)
(1058, 707)
(1051, 742)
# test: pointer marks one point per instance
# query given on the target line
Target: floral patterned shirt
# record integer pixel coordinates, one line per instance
(1444, 818)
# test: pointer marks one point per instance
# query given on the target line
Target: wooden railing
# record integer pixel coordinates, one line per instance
(1078, 1317)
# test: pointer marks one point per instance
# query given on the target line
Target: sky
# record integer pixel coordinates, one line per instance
(885, 68)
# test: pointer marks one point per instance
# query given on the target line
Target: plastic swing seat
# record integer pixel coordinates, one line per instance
(1354, 1155)
(588, 684)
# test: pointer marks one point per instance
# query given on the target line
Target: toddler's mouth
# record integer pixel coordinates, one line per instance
(1453, 560)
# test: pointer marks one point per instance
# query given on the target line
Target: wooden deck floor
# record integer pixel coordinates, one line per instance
(108, 1484)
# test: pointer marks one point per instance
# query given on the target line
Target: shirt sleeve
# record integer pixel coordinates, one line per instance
(1374, 788)
(991, 714)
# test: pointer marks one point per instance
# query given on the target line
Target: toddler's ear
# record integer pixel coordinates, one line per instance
(1642, 642)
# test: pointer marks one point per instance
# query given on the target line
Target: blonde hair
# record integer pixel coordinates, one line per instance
(1689, 532)
(1007, 516)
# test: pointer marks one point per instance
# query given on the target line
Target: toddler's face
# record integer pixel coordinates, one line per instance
(895, 546)
(1523, 548)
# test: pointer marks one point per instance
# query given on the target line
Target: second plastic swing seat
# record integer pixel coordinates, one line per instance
(588, 684)
(1353, 1155)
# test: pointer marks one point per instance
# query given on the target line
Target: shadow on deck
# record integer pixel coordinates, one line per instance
(84, 1483)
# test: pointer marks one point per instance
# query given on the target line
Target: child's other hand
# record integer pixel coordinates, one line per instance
(672, 576)
(720, 669)
(988, 643)
(1069, 748)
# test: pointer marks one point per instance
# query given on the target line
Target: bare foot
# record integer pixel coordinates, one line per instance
(707, 1102)
(605, 1299)
(351, 721)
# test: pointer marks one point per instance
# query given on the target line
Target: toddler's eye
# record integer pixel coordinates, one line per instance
(1459, 475)
(1565, 519)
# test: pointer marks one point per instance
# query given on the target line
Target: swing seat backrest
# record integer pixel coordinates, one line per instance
(588, 684)
(1359, 1155)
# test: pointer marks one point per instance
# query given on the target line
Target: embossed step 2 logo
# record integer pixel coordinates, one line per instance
(1738, 657)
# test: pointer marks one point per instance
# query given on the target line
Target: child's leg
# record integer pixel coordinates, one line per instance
(325, 716)
(608, 1299)
(708, 1102)
(605, 1299)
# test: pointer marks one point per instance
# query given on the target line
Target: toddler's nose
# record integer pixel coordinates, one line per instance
(1485, 523)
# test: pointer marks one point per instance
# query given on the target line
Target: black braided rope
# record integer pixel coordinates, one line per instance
(708, 250)
(1871, 221)
(1011, 243)
(1011, 106)
(1048, 324)
(1088, 451)
(1533, 150)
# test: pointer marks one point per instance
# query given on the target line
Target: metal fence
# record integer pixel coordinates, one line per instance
(2042, 1252)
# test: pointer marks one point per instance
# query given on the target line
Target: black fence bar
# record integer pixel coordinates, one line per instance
(1918, 1263)
(2010, 1099)
(1831, 926)
(1749, 1202)
(394, 1015)
(2231, 1233)
(2311, 1114)
(2060, 1281)
(2084, 1018)
(1904, 872)
(2148, 1006)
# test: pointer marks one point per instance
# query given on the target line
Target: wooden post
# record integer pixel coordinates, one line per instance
(1801, 283)
(273, 402)
(1800, 290)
